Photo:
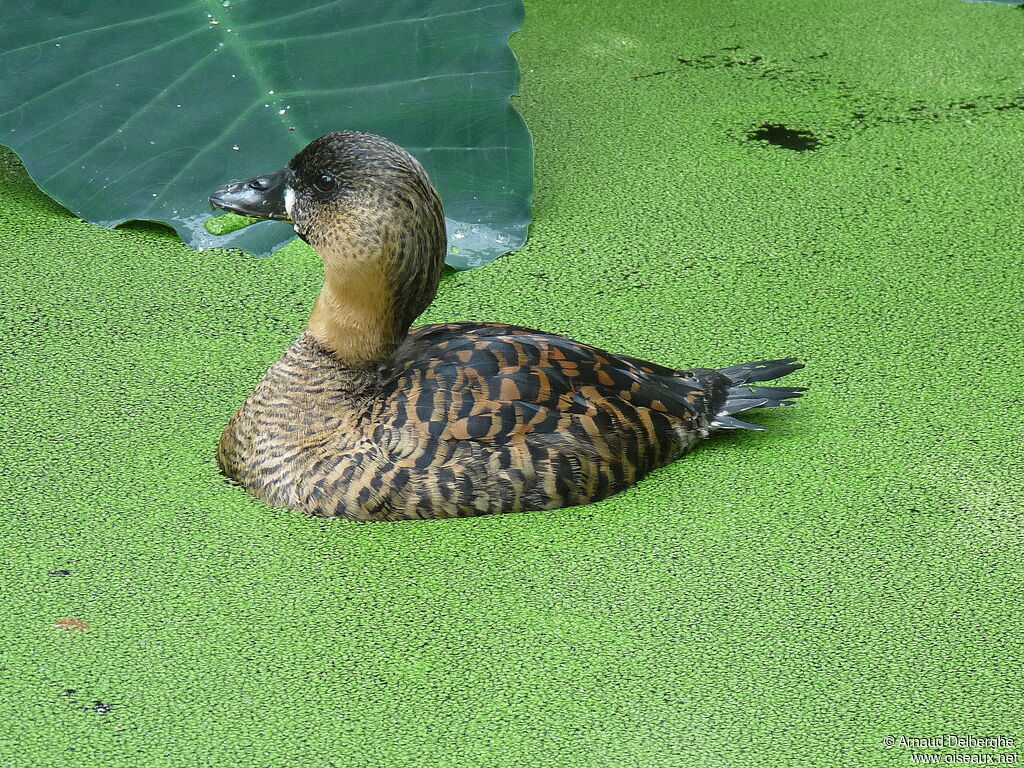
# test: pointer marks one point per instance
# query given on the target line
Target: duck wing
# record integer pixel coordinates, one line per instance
(571, 422)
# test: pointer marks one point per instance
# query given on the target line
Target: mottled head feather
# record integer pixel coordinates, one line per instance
(370, 210)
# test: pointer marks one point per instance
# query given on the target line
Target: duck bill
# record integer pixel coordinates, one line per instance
(260, 198)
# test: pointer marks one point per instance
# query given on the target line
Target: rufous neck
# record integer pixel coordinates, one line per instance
(354, 315)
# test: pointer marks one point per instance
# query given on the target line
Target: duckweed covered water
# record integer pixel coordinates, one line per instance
(787, 598)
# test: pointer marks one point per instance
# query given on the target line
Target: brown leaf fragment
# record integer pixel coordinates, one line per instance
(71, 625)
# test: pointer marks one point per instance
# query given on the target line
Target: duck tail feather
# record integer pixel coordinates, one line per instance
(728, 422)
(744, 394)
(763, 370)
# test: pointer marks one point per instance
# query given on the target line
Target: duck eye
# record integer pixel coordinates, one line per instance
(325, 183)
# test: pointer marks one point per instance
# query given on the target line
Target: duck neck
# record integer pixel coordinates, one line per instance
(370, 298)
(354, 315)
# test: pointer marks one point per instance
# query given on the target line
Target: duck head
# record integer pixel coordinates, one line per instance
(370, 211)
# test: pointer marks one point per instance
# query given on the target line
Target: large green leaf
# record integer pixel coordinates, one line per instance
(138, 110)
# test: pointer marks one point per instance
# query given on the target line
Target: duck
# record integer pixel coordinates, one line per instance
(368, 418)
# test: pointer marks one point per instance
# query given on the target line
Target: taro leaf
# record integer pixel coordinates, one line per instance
(139, 110)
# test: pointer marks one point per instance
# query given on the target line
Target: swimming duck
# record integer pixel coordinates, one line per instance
(367, 419)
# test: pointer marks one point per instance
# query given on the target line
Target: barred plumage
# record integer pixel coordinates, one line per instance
(364, 419)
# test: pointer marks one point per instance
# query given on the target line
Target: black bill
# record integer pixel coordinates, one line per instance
(260, 198)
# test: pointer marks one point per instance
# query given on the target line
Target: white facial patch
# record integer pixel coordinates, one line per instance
(289, 201)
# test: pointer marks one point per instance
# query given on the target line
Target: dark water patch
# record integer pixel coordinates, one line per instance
(919, 112)
(783, 136)
(651, 74)
(865, 107)
(96, 705)
(722, 58)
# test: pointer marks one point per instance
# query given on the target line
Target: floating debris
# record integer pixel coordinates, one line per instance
(72, 625)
